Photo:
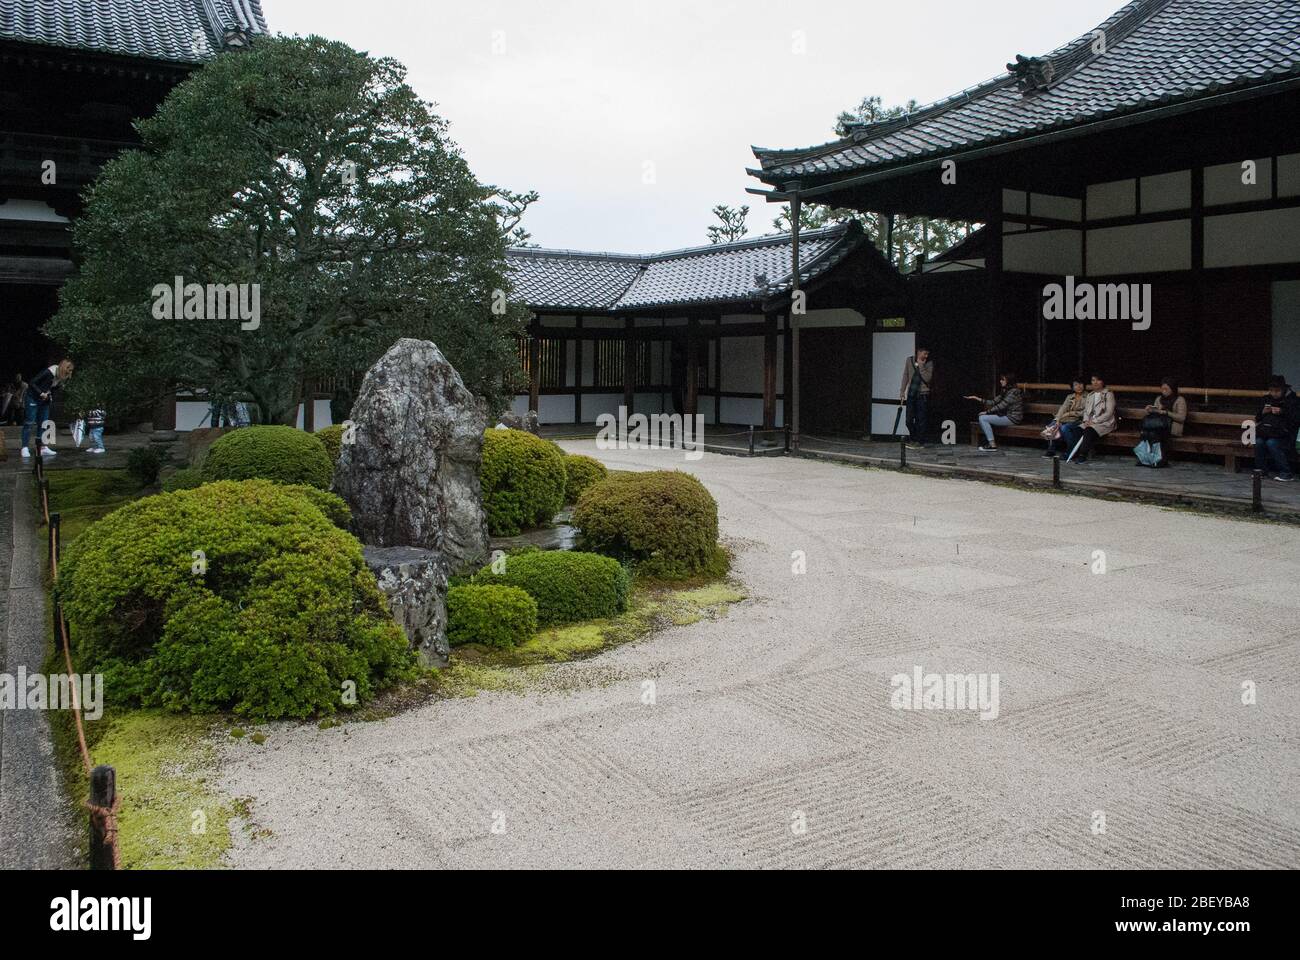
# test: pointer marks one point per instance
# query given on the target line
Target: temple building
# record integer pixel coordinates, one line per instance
(73, 77)
(708, 330)
(1151, 166)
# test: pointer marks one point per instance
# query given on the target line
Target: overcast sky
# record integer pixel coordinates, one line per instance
(587, 100)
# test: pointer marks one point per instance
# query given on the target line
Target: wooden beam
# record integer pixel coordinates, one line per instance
(534, 366)
(692, 366)
(769, 372)
(629, 364)
(577, 374)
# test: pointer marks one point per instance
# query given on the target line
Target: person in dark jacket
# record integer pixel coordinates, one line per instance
(914, 395)
(1276, 425)
(1005, 410)
(36, 403)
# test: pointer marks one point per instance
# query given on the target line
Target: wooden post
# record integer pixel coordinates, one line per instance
(534, 366)
(692, 367)
(103, 823)
(309, 406)
(769, 372)
(54, 545)
(1257, 493)
(796, 209)
(629, 364)
(577, 371)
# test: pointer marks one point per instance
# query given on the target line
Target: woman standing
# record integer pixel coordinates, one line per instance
(1005, 410)
(1099, 418)
(36, 404)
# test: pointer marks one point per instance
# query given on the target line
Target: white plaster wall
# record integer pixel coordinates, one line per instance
(1286, 329)
(1141, 248)
(1056, 252)
(1247, 239)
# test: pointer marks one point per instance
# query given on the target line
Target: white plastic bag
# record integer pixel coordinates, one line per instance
(78, 432)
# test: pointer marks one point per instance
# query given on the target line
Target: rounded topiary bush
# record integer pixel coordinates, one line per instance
(187, 478)
(581, 472)
(332, 439)
(663, 521)
(282, 454)
(522, 479)
(567, 586)
(491, 614)
(334, 507)
(275, 614)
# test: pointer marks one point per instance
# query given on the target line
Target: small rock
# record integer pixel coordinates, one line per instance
(415, 582)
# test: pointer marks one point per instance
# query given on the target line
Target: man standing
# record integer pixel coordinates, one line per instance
(918, 375)
(1275, 430)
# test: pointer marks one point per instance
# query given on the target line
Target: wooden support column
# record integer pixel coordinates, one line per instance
(787, 374)
(629, 364)
(717, 369)
(692, 367)
(796, 211)
(309, 406)
(534, 365)
(769, 372)
(577, 372)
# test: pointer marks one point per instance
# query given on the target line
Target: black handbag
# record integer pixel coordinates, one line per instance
(1155, 427)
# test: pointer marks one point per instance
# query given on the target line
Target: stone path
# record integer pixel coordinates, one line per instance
(35, 829)
(772, 742)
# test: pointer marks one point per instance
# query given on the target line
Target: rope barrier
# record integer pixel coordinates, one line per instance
(103, 817)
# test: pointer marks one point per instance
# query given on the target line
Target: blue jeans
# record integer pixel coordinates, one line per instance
(990, 420)
(1275, 449)
(1070, 434)
(96, 438)
(34, 416)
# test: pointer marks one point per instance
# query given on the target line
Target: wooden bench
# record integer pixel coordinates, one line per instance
(1211, 434)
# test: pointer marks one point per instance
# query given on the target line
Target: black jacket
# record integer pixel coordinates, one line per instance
(1283, 426)
(44, 382)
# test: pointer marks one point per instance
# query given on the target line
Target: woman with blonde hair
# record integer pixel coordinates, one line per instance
(36, 403)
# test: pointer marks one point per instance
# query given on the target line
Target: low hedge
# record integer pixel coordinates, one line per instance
(663, 521)
(275, 618)
(568, 586)
(491, 614)
(334, 507)
(277, 453)
(579, 473)
(522, 481)
(187, 478)
(332, 439)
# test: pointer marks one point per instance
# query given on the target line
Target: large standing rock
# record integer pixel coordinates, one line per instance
(415, 583)
(409, 468)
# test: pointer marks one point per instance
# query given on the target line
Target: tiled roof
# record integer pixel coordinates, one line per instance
(1156, 52)
(181, 31)
(716, 274)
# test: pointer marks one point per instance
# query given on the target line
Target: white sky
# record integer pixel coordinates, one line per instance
(586, 93)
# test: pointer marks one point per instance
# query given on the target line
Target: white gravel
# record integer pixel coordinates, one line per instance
(772, 741)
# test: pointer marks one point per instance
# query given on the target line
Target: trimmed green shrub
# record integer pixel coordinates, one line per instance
(334, 507)
(581, 472)
(491, 614)
(567, 586)
(663, 521)
(332, 438)
(270, 620)
(522, 481)
(277, 453)
(143, 464)
(187, 478)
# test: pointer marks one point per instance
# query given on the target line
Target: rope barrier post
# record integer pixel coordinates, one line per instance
(1257, 493)
(54, 545)
(1056, 471)
(103, 818)
(787, 438)
(751, 439)
(902, 455)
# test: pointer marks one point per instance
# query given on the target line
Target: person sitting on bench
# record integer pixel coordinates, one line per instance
(1167, 416)
(1275, 430)
(1068, 418)
(1007, 409)
(1099, 419)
